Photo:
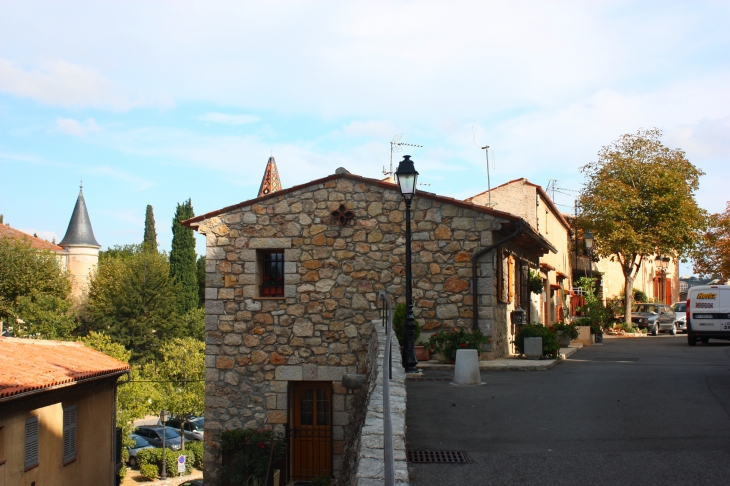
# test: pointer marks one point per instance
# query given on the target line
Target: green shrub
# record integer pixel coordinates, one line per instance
(153, 457)
(550, 346)
(450, 341)
(570, 330)
(122, 473)
(250, 452)
(195, 447)
(322, 480)
(399, 324)
(149, 471)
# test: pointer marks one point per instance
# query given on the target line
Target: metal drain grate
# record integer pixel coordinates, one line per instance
(422, 378)
(436, 457)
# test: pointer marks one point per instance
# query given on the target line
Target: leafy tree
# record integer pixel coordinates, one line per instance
(639, 201)
(183, 267)
(103, 343)
(133, 299)
(192, 324)
(712, 255)
(181, 373)
(150, 233)
(34, 292)
(201, 280)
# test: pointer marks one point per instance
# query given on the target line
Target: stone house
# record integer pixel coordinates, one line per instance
(291, 287)
(530, 202)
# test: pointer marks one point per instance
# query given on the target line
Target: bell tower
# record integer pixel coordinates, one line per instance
(270, 183)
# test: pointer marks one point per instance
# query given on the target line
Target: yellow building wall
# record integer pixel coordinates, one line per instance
(613, 278)
(94, 464)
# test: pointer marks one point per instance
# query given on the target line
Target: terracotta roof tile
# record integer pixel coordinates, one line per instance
(8, 232)
(32, 364)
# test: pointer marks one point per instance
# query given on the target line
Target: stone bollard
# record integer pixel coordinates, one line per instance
(533, 347)
(466, 371)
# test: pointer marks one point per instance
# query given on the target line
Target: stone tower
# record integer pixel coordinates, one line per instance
(270, 183)
(81, 247)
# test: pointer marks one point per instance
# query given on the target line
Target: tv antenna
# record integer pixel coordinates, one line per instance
(486, 152)
(397, 146)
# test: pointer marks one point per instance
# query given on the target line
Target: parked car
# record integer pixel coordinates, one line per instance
(139, 444)
(193, 482)
(680, 310)
(193, 427)
(654, 317)
(153, 435)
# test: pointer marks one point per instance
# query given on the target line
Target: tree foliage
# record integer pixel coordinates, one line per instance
(150, 233)
(712, 255)
(639, 200)
(133, 299)
(181, 372)
(183, 266)
(201, 280)
(34, 292)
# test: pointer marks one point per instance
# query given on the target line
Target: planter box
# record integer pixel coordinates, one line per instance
(584, 336)
(533, 348)
(422, 353)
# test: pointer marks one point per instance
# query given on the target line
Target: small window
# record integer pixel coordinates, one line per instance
(69, 434)
(271, 273)
(31, 442)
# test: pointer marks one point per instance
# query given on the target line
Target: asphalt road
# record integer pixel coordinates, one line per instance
(646, 411)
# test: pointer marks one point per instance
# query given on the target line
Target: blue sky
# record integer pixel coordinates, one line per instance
(157, 102)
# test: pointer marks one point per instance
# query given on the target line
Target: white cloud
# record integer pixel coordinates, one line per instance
(61, 83)
(73, 127)
(139, 183)
(227, 119)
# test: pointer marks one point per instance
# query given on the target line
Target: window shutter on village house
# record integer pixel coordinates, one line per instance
(511, 278)
(69, 433)
(31, 442)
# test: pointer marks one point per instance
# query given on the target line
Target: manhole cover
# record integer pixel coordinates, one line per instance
(615, 359)
(436, 457)
(423, 378)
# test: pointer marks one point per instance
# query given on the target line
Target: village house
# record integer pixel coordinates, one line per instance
(291, 287)
(530, 202)
(57, 414)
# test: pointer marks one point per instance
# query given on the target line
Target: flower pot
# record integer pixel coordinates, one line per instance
(533, 348)
(422, 353)
(563, 339)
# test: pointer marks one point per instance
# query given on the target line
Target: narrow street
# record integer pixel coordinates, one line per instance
(648, 411)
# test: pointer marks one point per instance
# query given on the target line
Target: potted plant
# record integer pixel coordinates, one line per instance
(448, 342)
(550, 346)
(399, 326)
(566, 333)
(535, 282)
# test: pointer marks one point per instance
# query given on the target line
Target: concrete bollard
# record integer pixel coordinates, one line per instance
(466, 371)
(533, 347)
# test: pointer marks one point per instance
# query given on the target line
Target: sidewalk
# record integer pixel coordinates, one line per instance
(512, 363)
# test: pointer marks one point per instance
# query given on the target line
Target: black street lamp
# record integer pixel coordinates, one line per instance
(588, 239)
(407, 177)
(163, 419)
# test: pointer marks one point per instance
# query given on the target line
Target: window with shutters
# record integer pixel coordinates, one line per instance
(69, 434)
(31, 443)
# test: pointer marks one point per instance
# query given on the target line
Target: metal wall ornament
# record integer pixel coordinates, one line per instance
(343, 215)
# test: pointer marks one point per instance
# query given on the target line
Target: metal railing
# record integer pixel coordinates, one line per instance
(388, 451)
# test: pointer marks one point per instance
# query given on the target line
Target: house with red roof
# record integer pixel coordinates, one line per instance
(57, 414)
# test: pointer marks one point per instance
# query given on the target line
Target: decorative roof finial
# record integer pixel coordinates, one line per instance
(270, 183)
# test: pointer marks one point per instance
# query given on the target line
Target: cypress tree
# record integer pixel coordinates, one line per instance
(150, 233)
(183, 264)
(201, 280)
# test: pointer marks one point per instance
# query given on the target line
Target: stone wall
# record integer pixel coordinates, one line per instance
(316, 332)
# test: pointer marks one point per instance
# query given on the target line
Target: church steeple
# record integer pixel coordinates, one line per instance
(79, 232)
(270, 183)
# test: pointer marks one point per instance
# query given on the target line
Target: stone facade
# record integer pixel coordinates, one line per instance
(319, 328)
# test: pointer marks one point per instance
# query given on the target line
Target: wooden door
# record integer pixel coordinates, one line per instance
(311, 430)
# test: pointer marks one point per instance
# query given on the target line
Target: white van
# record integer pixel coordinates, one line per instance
(708, 313)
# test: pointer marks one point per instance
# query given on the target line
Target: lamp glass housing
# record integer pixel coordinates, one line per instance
(407, 177)
(588, 239)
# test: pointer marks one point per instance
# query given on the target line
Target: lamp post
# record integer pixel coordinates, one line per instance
(407, 177)
(163, 418)
(588, 239)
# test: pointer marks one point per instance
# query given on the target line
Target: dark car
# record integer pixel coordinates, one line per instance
(192, 482)
(193, 427)
(153, 435)
(654, 318)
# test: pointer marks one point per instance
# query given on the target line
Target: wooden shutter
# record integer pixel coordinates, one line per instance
(31, 442)
(511, 278)
(69, 433)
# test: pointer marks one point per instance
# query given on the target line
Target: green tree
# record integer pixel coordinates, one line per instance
(181, 375)
(712, 255)
(34, 292)
(133, 299)
(201, 280)
(639, 201)
(183, 267)
(150, 233)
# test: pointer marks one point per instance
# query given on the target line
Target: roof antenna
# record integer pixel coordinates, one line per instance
(486, 152)
(396, 146)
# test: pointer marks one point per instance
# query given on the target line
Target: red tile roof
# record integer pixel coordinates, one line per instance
(37, 243)
(33, 364)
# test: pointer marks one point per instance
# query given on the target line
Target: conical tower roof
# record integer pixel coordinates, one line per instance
(270, 183)
(79, 232)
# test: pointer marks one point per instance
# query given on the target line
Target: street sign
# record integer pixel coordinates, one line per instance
(181, 464)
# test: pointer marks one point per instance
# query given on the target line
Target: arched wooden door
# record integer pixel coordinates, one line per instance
(311, 429)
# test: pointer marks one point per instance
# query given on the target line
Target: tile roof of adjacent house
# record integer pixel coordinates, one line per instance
(35, 242)
(32, 365)
(558, 214)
